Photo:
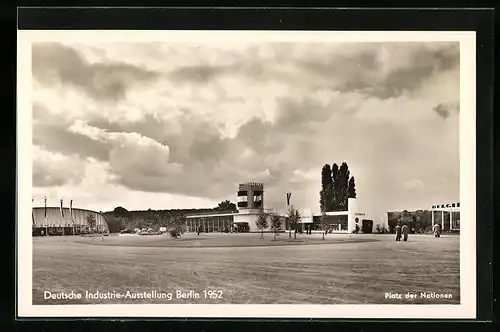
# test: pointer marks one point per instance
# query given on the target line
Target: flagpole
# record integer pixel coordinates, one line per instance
(288, 196)
(32, 213)
(71, 215)
(45, 217)
(62, 217)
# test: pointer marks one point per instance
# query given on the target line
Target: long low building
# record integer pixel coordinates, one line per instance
(243, 221)
(251, 203)
(65, 221)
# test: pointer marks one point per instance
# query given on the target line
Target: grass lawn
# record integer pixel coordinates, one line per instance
(342, 269)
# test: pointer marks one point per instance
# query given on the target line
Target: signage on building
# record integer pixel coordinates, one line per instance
(444, 206)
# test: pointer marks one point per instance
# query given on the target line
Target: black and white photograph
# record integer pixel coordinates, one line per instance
(202, 171)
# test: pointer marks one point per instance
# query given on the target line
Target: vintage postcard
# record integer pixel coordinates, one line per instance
(246, 174)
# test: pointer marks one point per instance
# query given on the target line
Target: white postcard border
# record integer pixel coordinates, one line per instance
(467, 308)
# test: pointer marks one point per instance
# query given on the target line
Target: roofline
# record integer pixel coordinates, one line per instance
(332, 213)
(447, 209)
(211, 215)
(67, 208)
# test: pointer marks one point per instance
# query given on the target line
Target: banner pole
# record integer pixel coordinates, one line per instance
(45, 217)
(62, 217)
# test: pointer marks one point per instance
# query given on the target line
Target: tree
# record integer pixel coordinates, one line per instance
(393, 219)
(174, 233)
(323, 223)
(381, 229)
(227, 206)
(176, 222)
(154, 219)
(334, 197)
(325, 194)
(341, 189)
(294, 218)
(275, 224)
(337, 186)
(121, 212)
(421, 220)
(115, 224)
(91, 222)
(351, 189)
(138, 223)
(262, 222)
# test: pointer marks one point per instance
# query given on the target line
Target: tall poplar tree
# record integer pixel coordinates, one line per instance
(326, 188)
(337, 186)
(351, 188)
(334, 195)
(341, 187)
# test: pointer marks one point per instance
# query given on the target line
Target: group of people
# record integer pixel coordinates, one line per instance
(402, 231)
(308, 230)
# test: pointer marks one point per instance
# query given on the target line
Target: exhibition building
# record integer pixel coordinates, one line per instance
(251, 202)
(67, 221)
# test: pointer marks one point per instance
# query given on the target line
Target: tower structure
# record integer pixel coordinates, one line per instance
(251, 197)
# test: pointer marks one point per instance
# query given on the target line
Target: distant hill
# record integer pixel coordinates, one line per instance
(120, 218)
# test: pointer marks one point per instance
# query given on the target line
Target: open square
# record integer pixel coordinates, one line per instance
(167, 171)
(342, 269)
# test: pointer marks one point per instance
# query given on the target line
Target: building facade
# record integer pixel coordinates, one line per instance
(66, 221)
(446, 215)
(251, 203)
(208, 223)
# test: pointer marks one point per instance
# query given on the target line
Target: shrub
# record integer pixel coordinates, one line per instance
(175, 233)
(381, 229)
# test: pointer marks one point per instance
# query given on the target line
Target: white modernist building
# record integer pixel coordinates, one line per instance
(346, 221)
(447, 215)
(251, 203)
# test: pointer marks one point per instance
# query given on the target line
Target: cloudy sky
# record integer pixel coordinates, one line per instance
(179, 125)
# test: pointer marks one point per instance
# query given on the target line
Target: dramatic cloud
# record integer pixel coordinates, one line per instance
(133, 155)
(185, 123)
(55, 64)
(51, 133)
(54, 169)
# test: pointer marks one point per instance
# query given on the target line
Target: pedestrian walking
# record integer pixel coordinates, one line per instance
(404, 229)
(398, 232)
(437, 230)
